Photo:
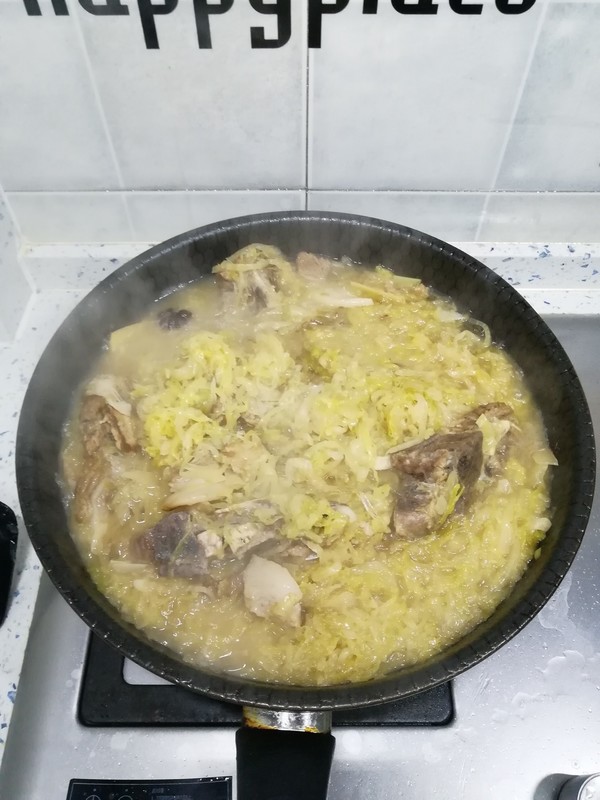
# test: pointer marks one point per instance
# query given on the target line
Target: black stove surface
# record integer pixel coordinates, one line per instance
(107, 700)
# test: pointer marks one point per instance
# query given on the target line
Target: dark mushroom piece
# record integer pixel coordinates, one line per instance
(172, 319)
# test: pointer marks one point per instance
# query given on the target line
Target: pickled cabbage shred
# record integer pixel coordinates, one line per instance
(298, 427)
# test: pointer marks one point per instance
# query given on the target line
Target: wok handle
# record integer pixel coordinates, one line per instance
(8, 554)
(279, 761)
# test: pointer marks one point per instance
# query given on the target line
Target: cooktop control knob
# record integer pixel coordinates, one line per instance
(581, 787)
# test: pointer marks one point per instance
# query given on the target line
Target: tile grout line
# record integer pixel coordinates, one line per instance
(306, 127)
(167, 192)
(20, 250)
(103, 120)
(11, 213)
(513, 116)
(275, 190)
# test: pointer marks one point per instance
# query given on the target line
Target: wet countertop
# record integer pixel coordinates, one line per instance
(554, 278)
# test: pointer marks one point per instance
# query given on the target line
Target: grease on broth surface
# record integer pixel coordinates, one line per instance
(306, 471)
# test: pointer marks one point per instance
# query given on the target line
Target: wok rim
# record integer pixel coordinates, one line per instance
(132, 644)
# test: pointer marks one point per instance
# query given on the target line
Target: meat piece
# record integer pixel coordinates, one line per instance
(254, 277)
(249, 524)
(312, 267)
(246, 536)
(289, 551)
(253, 290)
(434, 459)
(299, 551)
(174, 546)
(262, 287)
(497, 424)
(435, 475)
(495, 411)
(438, 476)
(247, 509)
(421, 508)
(213, 544)
(271, 591)
(173, 318)
(107, 387)
(100, 424)
(90, 487)
(180, 546)
(91, 497)
(93, 423)
(105, 417)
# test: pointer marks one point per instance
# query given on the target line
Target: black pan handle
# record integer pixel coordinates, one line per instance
(284, 755)
(8, 555)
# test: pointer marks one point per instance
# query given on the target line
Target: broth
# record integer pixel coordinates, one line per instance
(308, 472)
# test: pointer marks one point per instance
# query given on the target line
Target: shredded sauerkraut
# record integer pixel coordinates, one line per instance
(290, 391)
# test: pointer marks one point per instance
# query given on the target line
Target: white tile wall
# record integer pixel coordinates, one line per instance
(72, 216)
(15, 288)
(447, 215)
(555, 139)
(468, 127)
(414, 102)
(185, 118)
(541, 217)
(54, 217)
(51, 133)
(159, 215)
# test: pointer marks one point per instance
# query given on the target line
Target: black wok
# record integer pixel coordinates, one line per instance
(127, 294)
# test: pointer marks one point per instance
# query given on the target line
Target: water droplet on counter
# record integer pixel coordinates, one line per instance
(555, 613)
(119, 740)
(522, 702)
(351, 742)
(465, 734)
(430, 754)
(563, 672)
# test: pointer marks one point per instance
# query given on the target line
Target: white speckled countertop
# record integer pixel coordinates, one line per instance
(555, 279)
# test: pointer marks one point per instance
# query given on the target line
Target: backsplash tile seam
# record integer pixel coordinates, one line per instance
(21, 246)
(279, 190)
(127, 214)
(448, 192)
(307, 124)
(461, 192)
(513, 117)
(16, 283)
(155, 192)
(4, 195)
(25, 270)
